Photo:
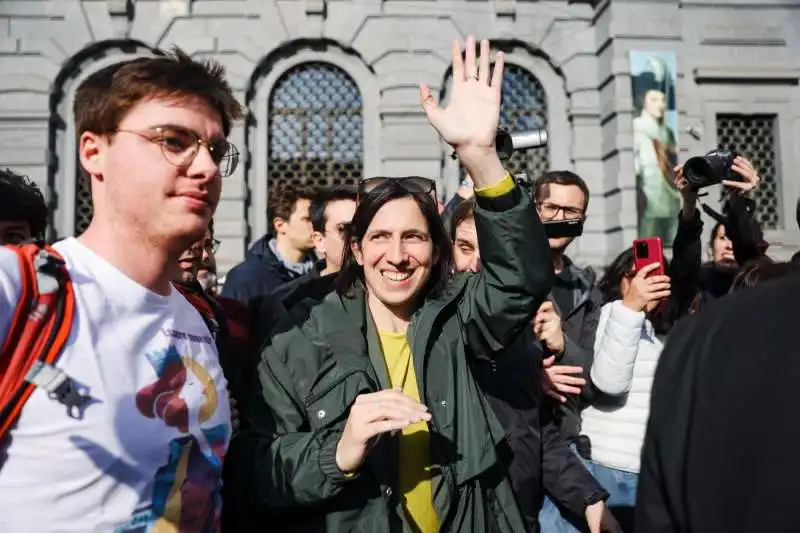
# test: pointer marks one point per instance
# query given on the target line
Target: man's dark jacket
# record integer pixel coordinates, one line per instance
(580, 327)
(721, 450)
(258, 275)
(536, 456)
(311, 374)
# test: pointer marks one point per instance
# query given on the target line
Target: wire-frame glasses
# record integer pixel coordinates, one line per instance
(180, 146)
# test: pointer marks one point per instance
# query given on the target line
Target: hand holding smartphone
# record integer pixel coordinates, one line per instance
(648, 251)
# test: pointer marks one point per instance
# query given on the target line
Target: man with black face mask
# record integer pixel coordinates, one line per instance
(566, 323)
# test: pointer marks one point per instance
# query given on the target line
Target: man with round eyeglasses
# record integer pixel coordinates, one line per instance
(147, 448)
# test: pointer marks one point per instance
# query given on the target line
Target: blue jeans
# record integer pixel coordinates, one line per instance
(621, 487)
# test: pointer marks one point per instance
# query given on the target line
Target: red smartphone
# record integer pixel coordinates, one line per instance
(648, 251)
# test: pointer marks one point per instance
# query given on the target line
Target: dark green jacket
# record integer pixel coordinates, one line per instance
(312, 373)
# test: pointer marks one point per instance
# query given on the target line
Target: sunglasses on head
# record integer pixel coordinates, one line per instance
(411, 184)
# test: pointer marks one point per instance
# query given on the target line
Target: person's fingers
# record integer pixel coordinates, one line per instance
(497, 74)
(565, 369)
(654, 287)
(383, 426)
(393, 408)
(645, 270)
(567, 389)
(458, 61)
(659, 295)
(470, 62)
(740, 185)
(555, 395)
(485, 61)
(569, 380)
(549, 361)
(547, 305)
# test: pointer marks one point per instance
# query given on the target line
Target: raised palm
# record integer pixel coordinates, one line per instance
(469, 122)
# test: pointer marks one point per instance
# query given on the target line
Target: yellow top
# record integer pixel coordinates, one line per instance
(415, 474)
(500, 188)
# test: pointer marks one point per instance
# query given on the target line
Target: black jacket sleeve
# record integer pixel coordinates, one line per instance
(684, 269)
(564, 477)
(742, 229)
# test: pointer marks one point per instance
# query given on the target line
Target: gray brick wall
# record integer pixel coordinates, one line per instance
(731, 58)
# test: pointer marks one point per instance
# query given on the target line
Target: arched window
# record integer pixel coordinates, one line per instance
(524, 107)
(315, 128)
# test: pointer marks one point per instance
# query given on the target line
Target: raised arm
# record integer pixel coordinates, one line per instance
(517, 270)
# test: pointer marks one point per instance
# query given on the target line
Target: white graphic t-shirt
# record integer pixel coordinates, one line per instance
(146, 454)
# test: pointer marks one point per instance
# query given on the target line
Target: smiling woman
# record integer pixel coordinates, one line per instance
(399, 252)
(369, 405)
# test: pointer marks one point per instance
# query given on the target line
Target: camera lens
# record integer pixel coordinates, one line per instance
(642, 250)
(709, 169)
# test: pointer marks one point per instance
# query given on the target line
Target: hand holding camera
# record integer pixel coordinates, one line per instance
(748, 173)
(645, 289)
(717, 166)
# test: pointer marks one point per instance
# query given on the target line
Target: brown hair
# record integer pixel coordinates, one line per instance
(760, 270)
(282, 201)
(464, 211)
(352, 274)
(559, 177)
(104, 98)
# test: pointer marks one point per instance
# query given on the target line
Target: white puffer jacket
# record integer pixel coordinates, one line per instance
(626, 353)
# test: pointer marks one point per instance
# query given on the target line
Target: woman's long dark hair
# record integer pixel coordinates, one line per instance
(610, 286)
(352, 274)
(620, 267)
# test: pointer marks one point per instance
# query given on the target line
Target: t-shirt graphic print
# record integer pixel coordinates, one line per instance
(146, 454)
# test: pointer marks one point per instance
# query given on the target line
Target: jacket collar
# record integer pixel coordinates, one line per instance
(347, 327)
(586, 277)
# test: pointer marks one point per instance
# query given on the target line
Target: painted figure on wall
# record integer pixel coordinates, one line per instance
(655, 148)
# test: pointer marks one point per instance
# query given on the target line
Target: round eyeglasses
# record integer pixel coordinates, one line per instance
(180, 146)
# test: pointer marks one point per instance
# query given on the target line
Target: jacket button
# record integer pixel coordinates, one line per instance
(321, 414)
(443, 403)
(388, 492)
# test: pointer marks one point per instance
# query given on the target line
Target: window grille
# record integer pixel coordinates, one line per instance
(83, 199)
(754, 137)
(315, 128)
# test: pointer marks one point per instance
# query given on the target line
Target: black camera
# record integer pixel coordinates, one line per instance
(710, 169)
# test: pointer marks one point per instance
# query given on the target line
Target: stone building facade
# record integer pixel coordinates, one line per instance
(331, 88)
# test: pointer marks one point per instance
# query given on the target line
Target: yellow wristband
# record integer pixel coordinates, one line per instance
(504, 186)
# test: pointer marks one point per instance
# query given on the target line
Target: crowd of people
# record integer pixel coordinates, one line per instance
(378, 362)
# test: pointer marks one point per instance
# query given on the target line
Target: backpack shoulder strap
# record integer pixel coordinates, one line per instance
(39, 328)
(207, 308)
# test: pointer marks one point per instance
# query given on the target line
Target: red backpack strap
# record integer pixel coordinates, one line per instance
(39, 329)
(202, 303)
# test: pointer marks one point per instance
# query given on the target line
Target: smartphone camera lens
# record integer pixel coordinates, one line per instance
(642, 251)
